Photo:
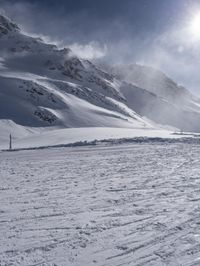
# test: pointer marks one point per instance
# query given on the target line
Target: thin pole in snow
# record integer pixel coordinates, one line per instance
(10, 143)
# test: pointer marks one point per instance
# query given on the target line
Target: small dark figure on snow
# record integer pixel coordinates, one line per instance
(10, 142)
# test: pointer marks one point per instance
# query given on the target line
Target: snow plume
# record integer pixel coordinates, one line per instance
(57, 28)
(2, 63)
(92, 50)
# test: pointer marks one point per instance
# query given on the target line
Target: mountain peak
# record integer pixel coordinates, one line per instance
(6, 25)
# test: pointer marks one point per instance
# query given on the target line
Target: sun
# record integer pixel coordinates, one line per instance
(194, 26)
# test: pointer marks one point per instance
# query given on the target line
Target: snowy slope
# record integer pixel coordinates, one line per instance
(166, 102)
(152, 80)
(116, 205)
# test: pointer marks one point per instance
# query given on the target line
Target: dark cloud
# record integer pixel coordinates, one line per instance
(91, 16)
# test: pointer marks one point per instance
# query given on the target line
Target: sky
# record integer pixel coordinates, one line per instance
(159, 33)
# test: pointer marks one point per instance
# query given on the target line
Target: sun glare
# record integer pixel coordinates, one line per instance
(195, 27)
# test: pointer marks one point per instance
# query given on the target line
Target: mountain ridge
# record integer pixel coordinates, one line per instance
(43, 87)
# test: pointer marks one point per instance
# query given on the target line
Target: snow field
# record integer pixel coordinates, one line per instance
(118, 205)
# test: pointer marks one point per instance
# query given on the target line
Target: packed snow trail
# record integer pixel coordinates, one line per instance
(136, 204)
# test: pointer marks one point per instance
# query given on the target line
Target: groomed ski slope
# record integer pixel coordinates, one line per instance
(116, 205)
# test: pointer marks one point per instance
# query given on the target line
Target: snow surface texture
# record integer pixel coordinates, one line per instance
(118, 205)
(43, 88)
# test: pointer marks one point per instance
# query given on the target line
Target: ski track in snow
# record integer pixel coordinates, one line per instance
(136, 204)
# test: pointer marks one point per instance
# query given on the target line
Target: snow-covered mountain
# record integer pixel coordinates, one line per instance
(166, 103)
(152, 80)
(43, 87)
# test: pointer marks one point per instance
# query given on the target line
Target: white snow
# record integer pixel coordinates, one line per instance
(73, 135)
(116, 205)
